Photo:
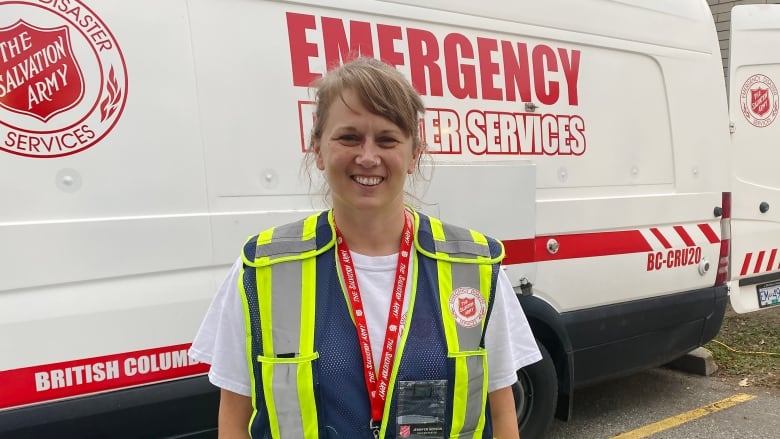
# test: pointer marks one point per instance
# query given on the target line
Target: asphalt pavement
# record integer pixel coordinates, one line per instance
(669, 404)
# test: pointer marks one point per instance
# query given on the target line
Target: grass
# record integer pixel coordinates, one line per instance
(756, 336)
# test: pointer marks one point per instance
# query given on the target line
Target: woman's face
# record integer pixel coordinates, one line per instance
(365, 157)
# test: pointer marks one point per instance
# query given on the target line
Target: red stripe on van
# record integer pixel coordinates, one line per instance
(745, 264)
(771, 264)
(685, 236)
(518, 251)
(661, 237)
(68, 379)
(757, 267)
(709, 233)
(588, 245)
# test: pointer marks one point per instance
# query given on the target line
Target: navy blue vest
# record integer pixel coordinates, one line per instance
(342, 399)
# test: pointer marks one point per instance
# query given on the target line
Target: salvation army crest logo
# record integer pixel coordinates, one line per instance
(63, 79)
(62, 86)
(759, 100)
(467, 306)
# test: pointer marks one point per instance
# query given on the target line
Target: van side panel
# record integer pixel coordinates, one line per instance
(754, 74)
(107, 254)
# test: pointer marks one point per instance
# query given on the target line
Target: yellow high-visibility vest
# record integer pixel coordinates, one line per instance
(279, 288)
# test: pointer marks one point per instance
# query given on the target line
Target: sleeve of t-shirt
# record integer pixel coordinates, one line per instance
(509, 341)
(221, 339)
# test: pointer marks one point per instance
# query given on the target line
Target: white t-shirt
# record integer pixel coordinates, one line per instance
(220, 341)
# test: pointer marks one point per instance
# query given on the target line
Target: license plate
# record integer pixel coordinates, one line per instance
(768, 294)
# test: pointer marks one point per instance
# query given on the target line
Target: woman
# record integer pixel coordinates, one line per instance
(370, 319)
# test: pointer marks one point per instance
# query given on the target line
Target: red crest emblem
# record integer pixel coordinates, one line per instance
(42, 77)
(467, 306)
(63, 78)
(759, 101)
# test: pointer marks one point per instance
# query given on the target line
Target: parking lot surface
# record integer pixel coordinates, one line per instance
(668, 404)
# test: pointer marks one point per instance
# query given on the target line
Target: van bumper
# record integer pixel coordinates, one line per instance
(620, 339)
(181, 408)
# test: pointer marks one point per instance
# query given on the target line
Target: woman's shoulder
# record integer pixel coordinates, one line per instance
(299, 239)
(436, 237)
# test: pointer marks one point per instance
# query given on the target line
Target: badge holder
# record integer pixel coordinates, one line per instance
(421, 407)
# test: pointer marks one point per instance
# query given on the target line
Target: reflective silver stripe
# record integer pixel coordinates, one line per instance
(475, 405)
(459, 243)
(279, 249)
(286, 241)
(285, 394)
(286, 304)
(468, 275)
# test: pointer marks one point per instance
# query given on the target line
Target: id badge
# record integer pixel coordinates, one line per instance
(421, 407)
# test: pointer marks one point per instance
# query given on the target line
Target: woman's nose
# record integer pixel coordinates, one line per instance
(368, 155)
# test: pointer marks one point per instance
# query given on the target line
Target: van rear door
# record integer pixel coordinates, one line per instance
(754, 75)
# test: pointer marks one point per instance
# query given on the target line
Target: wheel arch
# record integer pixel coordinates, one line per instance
(548, 328)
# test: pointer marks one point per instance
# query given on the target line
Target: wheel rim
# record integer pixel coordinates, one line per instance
(523, 392)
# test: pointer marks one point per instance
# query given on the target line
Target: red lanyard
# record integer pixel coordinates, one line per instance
(378, 391)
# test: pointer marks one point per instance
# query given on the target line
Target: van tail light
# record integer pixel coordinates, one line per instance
(722, 275)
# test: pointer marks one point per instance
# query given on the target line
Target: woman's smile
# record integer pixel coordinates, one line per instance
(367, 181)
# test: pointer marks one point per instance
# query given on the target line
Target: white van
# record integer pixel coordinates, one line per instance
(141, 143)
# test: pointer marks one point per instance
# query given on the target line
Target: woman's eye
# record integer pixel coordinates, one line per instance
(387, 142)
(349, 139)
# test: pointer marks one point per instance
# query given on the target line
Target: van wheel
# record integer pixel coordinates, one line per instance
(536, 393)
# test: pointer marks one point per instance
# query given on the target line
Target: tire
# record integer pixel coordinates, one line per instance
(536, 395)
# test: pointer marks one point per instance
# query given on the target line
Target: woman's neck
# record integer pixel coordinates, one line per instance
(371, 235)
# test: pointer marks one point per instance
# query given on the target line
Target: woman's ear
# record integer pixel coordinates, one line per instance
(317, 151)
(415, 157)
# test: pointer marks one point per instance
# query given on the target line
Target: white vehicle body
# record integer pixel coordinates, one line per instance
(754, 70)
(140, 145)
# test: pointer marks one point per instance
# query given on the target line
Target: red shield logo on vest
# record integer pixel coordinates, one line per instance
(467, 306)
(40, 76)
(759, 101)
